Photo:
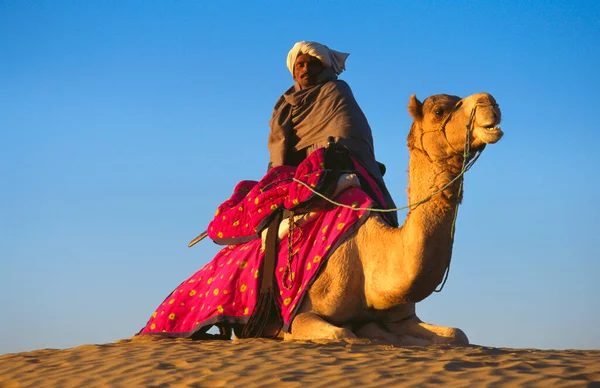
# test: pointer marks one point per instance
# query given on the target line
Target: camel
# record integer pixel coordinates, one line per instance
(371, 283)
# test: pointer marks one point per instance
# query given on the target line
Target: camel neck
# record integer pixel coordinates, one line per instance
(427, 230)
(422, 247)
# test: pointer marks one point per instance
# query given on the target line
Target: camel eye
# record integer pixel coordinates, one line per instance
(438, 112)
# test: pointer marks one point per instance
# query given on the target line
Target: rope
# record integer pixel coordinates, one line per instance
(466, 166)
(462, 172)
(287, 280)
(460, 186)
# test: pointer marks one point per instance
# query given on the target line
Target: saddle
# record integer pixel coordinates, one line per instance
(270, 208)
(340, 176)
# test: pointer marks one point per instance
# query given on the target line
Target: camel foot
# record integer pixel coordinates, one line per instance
(414, 328)
(445, 335)
(310, 326)
(373, 331)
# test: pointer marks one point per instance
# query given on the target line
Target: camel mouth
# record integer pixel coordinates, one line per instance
(489, 135)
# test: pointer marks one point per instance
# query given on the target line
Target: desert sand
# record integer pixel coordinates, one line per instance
(148, 362)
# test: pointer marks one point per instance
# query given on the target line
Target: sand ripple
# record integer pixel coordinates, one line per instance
(145, 362)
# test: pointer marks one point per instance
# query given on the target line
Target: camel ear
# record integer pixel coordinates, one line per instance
(415, 108)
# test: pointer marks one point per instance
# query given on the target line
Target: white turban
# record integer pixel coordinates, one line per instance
(330, 58)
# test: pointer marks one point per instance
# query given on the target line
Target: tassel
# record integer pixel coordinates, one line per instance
(266, 304)
(266, 307)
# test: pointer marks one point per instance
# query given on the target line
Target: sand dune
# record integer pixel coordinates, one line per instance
(148, 362)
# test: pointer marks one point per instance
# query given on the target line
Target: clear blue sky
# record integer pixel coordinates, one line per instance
(124, 125)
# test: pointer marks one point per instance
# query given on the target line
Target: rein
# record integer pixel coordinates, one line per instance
(466, 166)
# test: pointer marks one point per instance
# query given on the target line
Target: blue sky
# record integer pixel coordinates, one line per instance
(124, 125)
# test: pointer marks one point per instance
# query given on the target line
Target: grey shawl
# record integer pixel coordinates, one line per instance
(303, 118)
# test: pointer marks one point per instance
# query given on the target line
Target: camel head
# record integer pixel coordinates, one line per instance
(440, 124)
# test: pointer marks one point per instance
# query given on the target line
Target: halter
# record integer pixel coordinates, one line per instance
(442, 128)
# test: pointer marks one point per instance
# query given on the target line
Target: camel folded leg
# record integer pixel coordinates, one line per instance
(374, 331)
(309, 326)
(433, 334)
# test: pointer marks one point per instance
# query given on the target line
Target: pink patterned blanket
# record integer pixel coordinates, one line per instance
(225, 290)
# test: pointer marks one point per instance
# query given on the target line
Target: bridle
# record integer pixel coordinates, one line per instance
(442, 129)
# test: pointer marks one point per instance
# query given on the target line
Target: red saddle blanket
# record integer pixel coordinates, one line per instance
(225, 291)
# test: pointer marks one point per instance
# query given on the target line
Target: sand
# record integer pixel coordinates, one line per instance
(147, 362)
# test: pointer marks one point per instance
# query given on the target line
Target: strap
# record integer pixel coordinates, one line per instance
(266, 304)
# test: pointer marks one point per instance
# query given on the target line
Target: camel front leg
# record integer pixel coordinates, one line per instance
(434, 334)
(310, 326)
(404, 322)
(373, 331)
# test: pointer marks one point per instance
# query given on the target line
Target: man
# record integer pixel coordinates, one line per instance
(317, 107)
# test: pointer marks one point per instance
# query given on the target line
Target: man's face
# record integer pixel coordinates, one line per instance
(306, 70)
